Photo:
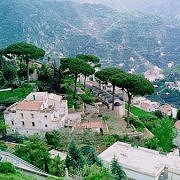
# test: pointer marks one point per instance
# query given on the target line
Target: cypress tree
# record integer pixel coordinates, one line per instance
(117, 170)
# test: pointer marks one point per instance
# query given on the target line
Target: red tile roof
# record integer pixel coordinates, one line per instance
(29, 105)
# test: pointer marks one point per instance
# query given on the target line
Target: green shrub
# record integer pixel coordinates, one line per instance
(135, 121)
(7, 98)
(151, 123)
(164, 132)
(6, 167)
(158, 114)
(109, 140)
(87, 98)
(117, 137)
(3, 146)
(152, 143)
(126, 139)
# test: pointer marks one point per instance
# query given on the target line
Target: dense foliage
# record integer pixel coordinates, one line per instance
(32, 149)
(6, 167)
(24, 51)
(7, 98)
(117, 170)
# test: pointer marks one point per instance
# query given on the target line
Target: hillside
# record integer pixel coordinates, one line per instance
(169, 8)
(133, 41)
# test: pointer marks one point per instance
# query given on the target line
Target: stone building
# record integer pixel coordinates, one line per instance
(38, 113)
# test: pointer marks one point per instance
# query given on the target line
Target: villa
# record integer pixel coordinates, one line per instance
(38, 113)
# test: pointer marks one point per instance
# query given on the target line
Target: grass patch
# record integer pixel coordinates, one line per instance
(141, 114)
(16, 176)
(7, 98)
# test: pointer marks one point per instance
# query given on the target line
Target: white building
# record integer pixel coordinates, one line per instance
(154, 73)
(37, 113)
(142, 163)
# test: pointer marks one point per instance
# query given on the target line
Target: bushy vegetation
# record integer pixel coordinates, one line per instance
(6, 167)
(7, 98)
(117, 171)
(33, 148)
(138, 124)
(95, 172)
(3, 146)
(8, 171)
(164, 132)
(16, 176)
(87, 98)
(162, 127)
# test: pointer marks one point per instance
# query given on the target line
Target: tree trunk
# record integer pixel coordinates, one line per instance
(129, 105)
(46, 167)
(84, 81)
(113, 97)
(75, 84)
(27, 63)
(11, 84)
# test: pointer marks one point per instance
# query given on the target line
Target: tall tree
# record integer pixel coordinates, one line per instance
(57, 167)
(74, 158)
(117, 170)
(10, 73)
(24, 51)
(89, 58)
(178, 115)
(75, 67)
(107, 75)
(47, 78)
(87, 71)
(115, 82)
(133, 85)
(90, 155)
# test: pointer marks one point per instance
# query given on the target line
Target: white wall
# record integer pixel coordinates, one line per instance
(41, 120)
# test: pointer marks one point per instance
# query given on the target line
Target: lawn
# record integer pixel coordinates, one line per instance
(16, 176)
(7, 98)
(141, 113)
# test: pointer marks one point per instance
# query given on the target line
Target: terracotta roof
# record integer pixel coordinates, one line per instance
(177, 125)
(166, 109)
(29, 105)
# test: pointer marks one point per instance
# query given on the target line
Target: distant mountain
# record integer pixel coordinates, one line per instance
(134, 41)
(169, 8)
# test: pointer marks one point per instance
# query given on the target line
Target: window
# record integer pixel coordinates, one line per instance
(12, 130)
(32, 116)
(27, 132)
(22, 116)
(12, 123)
(22, 123)
(45, 116)
(33, 123)
(45, 125)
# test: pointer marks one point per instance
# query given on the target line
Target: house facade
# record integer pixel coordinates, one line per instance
(38, 113)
